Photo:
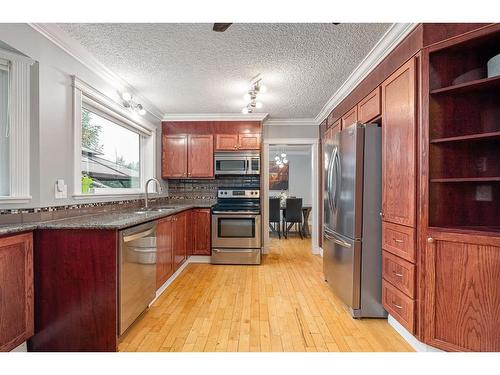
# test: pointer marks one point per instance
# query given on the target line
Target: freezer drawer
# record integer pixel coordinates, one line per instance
(342, 268)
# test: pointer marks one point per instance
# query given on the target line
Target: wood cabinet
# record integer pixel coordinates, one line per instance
(165, 254)
(187, 156)
(200, 227)
(350, 117)
(399, 305)
(370, 107)
(201, 156)
(399, 139)
(180, 242)
(399, 240)
(235, 142)
(174, 156)
(461, 290)
(16, 290)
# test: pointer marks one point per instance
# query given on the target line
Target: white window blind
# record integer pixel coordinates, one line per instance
(4, 129)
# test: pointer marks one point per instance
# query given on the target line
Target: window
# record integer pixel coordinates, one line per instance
(4, 129)
(110, 155)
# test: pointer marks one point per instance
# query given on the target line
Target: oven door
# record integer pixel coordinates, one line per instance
(231, 165)
(236, 230)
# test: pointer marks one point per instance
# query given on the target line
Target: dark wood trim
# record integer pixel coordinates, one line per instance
(210, 127)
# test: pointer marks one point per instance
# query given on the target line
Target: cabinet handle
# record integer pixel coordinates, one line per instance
(430, 240)
(398, 306)
(397, 274)
(398, 240)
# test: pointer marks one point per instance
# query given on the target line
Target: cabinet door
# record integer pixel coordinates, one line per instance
(369, 107)
(174, 160)
(461, 291)
(201, 231)
(249, 141)
(180, 239)
(16, 290)
(399, 131)
(226, 142)
(165, 254)
(201, 156)
(350, 117)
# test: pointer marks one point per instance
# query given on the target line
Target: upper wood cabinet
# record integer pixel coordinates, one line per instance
(249, 141)
(226, 142)
(16, 290)
(399, 138)
(200, 225)
(369, 107)
(462, 293)
(187, 156)
(174, 156)
(235, 142)
(201, 156)
(350, 117)
(164, 255)
(335, 128)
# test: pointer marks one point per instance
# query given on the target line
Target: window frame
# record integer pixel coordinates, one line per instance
(19, 127)
(84, 96)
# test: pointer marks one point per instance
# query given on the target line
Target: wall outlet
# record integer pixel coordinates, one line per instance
(484, 193)
(60, 189)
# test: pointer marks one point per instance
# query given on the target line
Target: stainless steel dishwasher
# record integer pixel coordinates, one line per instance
(137, 272)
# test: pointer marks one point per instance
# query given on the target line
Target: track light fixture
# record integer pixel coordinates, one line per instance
(251, 97)
(129, 103)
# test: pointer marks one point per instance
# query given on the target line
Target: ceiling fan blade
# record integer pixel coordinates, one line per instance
(221, 27)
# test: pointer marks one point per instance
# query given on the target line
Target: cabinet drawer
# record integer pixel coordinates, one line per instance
(399, 305)
(399, 273)
(369, 107)
(399, 240)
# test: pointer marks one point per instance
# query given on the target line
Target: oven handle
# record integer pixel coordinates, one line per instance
(234, 250)
(234, 213)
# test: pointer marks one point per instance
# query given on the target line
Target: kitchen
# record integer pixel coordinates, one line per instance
(132, 222)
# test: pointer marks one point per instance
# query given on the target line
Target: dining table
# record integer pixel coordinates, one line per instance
(306, 211)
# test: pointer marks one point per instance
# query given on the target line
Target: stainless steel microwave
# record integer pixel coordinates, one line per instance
(237, 163)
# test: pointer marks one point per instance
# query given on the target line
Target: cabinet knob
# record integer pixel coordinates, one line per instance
(381, 214)
(430, 240)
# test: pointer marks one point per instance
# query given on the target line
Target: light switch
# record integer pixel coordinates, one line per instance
(61, 189)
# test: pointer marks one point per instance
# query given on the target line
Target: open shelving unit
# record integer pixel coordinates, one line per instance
(464, 137)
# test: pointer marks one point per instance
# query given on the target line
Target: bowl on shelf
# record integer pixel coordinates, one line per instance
(494, 66)
(471, 75)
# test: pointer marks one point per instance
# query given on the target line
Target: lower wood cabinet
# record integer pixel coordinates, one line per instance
(200, 227)
(180, 243)
(399, 305)
(462, 291)
(165, 254)
(16, 290)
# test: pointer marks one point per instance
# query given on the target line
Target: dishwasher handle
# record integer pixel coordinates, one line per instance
(136, 236)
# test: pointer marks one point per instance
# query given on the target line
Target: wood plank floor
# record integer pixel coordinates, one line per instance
(282, 305)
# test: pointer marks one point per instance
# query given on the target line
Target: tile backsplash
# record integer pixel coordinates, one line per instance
(207, 189)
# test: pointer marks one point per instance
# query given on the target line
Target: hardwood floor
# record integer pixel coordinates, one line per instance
(282, 305)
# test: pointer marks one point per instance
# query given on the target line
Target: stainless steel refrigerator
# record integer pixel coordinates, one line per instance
(352, 255)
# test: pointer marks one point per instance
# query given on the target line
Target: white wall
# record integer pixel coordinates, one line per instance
(51, 100)
(290, 131)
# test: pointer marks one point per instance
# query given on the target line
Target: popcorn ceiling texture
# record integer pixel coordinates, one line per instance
(188, 68)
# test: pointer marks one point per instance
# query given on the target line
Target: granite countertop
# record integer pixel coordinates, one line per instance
(114, 220)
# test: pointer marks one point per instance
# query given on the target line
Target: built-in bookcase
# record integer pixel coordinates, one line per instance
(464, 136)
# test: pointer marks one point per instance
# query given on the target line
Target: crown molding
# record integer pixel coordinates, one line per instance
(291, 122)
(392, 37)
(57, 36)
(215, 117)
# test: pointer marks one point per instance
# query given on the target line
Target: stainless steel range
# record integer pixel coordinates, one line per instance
(236, 226)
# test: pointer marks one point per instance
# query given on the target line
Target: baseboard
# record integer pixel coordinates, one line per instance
(265, 250)
(409, 338)
(191, 259)
(21, 348)
(317, 251)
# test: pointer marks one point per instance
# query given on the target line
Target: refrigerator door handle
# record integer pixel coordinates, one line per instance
(337, 241)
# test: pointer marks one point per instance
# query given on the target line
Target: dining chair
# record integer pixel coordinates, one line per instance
(274, 215)
(292, 215)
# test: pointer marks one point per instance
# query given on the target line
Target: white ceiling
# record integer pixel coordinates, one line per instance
(188, 68)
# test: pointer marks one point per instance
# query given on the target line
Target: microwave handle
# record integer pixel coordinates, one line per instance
(247, 166)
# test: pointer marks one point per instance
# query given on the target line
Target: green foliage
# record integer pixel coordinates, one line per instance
(90, 133)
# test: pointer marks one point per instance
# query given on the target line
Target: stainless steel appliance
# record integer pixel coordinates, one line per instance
(137, 272)
(237, 163)
(236, 226)
(352, 255)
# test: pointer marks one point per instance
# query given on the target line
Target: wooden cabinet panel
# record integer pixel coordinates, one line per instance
(249, 141)
(16, 290)
(369, 107)
(165, 254)
(399, 305)
(226, 142)
(399, 131)
(201, 156)
(180, 239)
(462, 293)
(399, 273)
(174, 156)
(335, 128)
(201, 231)
(350, 117)
(399, 240)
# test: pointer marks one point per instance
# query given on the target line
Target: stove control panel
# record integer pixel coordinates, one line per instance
(238, 193)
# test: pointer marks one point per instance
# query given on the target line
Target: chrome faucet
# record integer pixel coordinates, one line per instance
(158, 186)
